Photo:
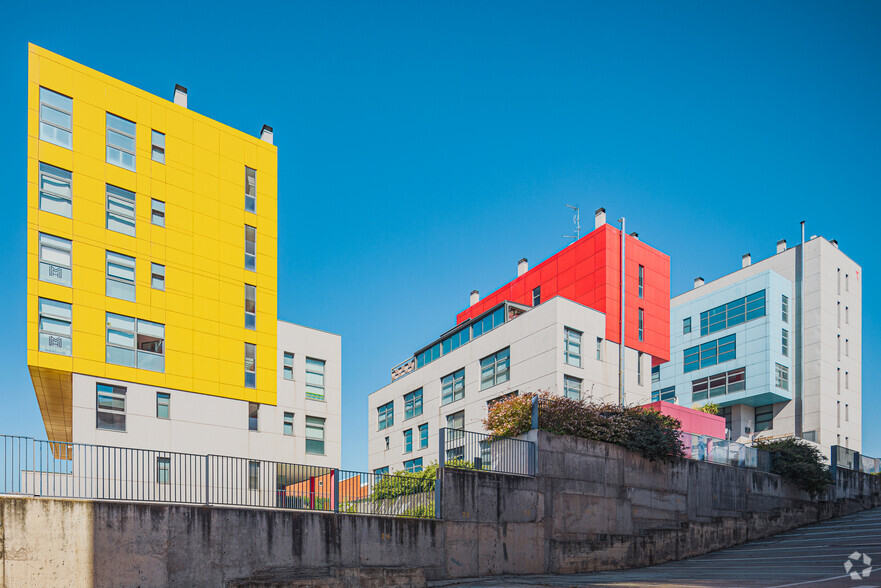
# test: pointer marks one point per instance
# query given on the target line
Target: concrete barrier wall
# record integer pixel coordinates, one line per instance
(593, 506)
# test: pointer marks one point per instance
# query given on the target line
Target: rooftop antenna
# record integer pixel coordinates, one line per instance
(576, 218)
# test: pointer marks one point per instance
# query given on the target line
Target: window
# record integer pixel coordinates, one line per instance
(253, 475)
(413, 404)
(838, 413)
(639, 355)
(157, 276)
(847, 347)
(453, 387)
(782, 379)
(408, 441)
(495, 369)
(250, 248)
(386, 415)
(686, 325)
(456, 437)
(55, 262)
(489, 322)
(250, 189)
(55, 190)
(158, 150)
(847, 380)
(288, 366)
(784, 308)
(135, 343)
(536, 296)
(163, 405)
(665, 394)
(600, 348)
(846, 283)
(120, 142)
(163, 470)
(110, 407)
(764, 418)
(120, 276)
(641, 324)
(413, 465)
(253, 416)
(572, 387)
(656, 374)
(120, 210)
(157, 212)
(718, 384)
(250, 365)
(710, 353)
(846, 315)
(839, 281)
(56, 118)
(838, 313)
(250, 307)
(381, 471)
(847, 412)
(727, 414)
(572, 346)
(288, 424)
(838, 380)
(55, 329)
(784, 342)
(734, 313)
(423, 436)
(314, 435)
(641, 281)
(314, 378)
(386, 442)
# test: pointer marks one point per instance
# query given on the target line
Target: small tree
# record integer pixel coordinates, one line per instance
(709, 408)
(798, 462)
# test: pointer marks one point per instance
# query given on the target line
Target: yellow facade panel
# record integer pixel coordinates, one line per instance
(53, 155)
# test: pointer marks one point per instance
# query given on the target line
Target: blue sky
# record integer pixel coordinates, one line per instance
(425, 148)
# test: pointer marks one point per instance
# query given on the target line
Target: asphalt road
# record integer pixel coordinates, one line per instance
(812, 556)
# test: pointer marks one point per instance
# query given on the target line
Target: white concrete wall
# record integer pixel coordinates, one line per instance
(536, 342)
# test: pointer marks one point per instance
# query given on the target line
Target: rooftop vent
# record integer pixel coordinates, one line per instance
(266, 134)
(781, 245)
(522, 267)
(180, 95)
(600, 217)
(698, 282)
(834, 243)
(475, 298)
(746, 259)
(635, 235)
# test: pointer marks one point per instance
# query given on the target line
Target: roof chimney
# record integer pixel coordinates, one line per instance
(834, 243)
(698, 282)
(746, 259)
(266, 134)
(635, 235)
(475, 297)
(180, 95)
(781, 245)
(522, 267)
(600, 217)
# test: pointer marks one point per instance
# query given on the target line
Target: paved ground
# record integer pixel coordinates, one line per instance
(812, 556)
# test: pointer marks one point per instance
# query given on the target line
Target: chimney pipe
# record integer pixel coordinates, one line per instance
(834, 243)
(475, 297)
(698, 282)
(746, 259)
(522, 267)
(266, 134)
(781, 245)
(180, 95)
(635, 235)
(600, 218)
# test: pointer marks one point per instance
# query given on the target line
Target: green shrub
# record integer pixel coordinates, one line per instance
(423, 511)
(709, 408)
(797, 461)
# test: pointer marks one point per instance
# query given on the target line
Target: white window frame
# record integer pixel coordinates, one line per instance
(157, 276)
(251, 248)
(495, 369)
(56, 259)
(120, 276)
(55, 326)
(781, 377)
(163, 399)
(157, 212)
(287, 427)
(250, 365)
(572, 384)
(313, 426)
(385, 415)
(250, 309)
(121, 210)
(315, 371)
(288, 366)
(118, 134)
(61, 106)
(140, 337)
(54, 182)
(157, 146)
(453, 387)
(250, 189)
(114, 405)
(572, 339)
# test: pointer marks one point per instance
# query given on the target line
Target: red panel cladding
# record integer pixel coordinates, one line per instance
(588, 272)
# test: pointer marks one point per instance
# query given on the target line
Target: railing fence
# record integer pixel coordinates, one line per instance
(458, 448)
(842, 457)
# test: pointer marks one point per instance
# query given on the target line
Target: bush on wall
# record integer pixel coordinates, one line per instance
(798, 462)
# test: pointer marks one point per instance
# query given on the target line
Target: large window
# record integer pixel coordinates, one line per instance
(718, 384)
(55, 190)
(288, 366)
(157, 149)
(120, 210)
(782, 377)
(55, 259)
(250, 365)
(642, 281)
(664, 394)
(253, 416)
(423, 436)
(120, 276)
(381, 471)
(764, 418)
(413, 404)
(784, 342)
(489, 322)
(250, 189)
(572, 347)
(120, 142)
(157, 276)
(455, 441)
(453, 387)
(55, 329)
(711, 353)
(495, 369)
(413, 465)
(314, 435)
(784, 308)
(250, 307)
(56, 118)
(110, 407)
(135, 343)
(572, 387)
(314, 378)
(250, 248)
(734, 313)
(163, 405)
(386, 415)
(408, 441)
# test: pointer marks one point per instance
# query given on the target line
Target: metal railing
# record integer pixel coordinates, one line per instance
(97, 472)
(713, 450)
(842, 457)
(478, 451)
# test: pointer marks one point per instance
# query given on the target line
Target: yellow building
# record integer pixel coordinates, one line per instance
(149, 228)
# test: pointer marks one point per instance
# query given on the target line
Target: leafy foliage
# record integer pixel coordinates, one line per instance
(423, 511)
(709, 408)
(645, 431)
(798, 462)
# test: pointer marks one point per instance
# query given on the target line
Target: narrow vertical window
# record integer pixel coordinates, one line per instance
(158, 147)
(846, 282)
(314, 435)
(639, 368)
(838, 380)
(572, 346)
(120, 276)
(838, 313)
(839, 347)
(157, 276)
(315, 378)
(408, 441)
(784, 308)
(55, 190)
(120, 210)
(686, 325)
(847, 347)
(288, 367)
(641, 281)
(250, 307)
(838, 279)
(163, 470)
(847, 413)
(110, 407)
(536, 296)
(641, 324)
(250, 248)
(55, 260)
(250, 189)
(782, 379)
(784, 342)
(157, 212)
(120, 142)
(56, 118)
(600, 348)
(423, 436)
(250, 365)
(838, 413)
(253, 416)
(163, 405)
(288, 426)
(55, 326)
(253, 475)
(847, 380)
(846, 315)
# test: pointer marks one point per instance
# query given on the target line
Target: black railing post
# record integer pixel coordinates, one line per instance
(336, 490)
(439, 482)
(535, 412)
(833, 462)
(207, 481)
